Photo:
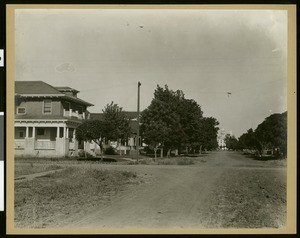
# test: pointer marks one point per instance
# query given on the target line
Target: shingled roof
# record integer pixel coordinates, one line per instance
(42, 89)
(66, 89)
(35, 87)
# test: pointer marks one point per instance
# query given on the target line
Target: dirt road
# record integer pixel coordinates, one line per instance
(228, 190)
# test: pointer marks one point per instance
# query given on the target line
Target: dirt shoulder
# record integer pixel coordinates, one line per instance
(228, 190)
(222, 189)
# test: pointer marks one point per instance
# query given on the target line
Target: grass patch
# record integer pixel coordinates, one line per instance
(32, 168)
(168, 161)
(48, 200)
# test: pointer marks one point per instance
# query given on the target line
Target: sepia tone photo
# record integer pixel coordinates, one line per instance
(151, 120)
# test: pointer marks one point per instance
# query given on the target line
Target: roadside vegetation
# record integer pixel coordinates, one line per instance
(170, 123)
(251, 199)
(168, 161)
(269, 139)
(32, 168)
(173, 122)
(72, 192)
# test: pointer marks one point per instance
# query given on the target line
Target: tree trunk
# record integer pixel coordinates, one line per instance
(155, 151)
(119, 142)
(169, 152)
(101, 148)
(161, 152)
(200, 150)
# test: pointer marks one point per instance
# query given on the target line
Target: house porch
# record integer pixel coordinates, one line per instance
(56, 139)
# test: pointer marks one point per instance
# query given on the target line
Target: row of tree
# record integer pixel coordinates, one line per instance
(271, 134)
(172, 122)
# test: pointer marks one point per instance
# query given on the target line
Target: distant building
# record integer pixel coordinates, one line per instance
(46, 119)
(128, 147)
(221, 139)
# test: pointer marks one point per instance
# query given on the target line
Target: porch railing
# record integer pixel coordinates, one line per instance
(74, 114)
(44, 145)
(19, 144)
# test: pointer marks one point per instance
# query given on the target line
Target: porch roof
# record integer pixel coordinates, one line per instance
(46, 117)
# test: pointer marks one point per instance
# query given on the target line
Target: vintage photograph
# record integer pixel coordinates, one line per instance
(150, 118)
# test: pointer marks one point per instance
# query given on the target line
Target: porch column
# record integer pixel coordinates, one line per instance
(74, 135)
(75, 143)
(70, 112)
(64, 136)
(29, 147)
(27, 132)
(33, 132)
(67, 132)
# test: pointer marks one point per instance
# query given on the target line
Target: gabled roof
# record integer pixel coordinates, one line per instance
(35, 87)
(42, 89)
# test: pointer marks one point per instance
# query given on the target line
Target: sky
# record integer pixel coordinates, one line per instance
(103, 53)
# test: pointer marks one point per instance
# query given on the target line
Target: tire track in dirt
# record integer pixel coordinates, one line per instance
(175, 196)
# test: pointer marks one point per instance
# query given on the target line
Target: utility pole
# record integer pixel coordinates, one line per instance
(138, 122)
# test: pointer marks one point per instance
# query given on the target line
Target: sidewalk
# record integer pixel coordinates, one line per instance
(36, 175)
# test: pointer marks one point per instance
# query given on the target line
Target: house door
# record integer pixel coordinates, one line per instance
(53, 134)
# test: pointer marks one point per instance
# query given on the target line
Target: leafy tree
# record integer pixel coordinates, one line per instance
(248, 140)
(154, 134)
(209, 132)
(272, 133)
(160, 121)
(190, 119)
(117, 125)
(231, 142)
(171, 121)
(92, 130)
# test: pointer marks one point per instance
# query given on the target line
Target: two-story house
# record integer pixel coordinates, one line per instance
(46, 119)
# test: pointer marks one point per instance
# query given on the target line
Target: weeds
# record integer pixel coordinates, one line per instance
(31, 168)
(168, 161)
(44, 200)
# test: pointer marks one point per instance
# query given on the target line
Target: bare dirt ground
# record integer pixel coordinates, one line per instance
(224, 189)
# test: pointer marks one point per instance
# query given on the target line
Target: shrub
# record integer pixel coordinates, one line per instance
(81, 153)
(110, 151)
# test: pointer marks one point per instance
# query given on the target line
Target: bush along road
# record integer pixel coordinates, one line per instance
(223, 190)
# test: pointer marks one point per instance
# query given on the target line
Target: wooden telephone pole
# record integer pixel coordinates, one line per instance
(138, 122)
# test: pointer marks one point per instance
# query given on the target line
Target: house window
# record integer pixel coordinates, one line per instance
(40, 131)
(68, 106)
(80, 111)
(21, 134)
(21, 110)
(47, 107)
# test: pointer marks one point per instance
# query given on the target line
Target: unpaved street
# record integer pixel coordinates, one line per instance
(225, 189)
